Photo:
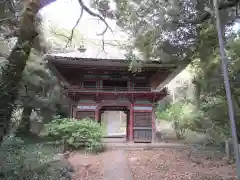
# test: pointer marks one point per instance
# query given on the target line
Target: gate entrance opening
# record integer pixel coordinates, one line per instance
(114, 121)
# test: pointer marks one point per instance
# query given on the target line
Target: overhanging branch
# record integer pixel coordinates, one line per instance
(58, 34)
(3, 20)
(223, 5)
(14, 33)
(95, 15)
(90, 12)
(71, 36)
(228, 4)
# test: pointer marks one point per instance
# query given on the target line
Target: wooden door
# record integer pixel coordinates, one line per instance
(142, 129)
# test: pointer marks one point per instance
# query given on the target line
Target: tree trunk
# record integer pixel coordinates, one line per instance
(24, 127)
(11, 76)
(197, 93)
(235, 95)
(12, 72)
(177, 130)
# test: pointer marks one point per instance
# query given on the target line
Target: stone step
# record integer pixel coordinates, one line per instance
(143, 146)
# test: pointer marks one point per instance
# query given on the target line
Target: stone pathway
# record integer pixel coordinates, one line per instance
(116, 166)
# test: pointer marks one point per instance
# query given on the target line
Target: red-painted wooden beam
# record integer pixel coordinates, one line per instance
(131, 121)
(153, 125)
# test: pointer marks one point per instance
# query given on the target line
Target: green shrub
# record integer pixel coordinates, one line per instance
(181, 115)
(19, 160)
(76, 133)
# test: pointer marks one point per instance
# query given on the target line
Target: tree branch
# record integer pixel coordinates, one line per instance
(84, 7)
(228, 4)
(11, 34)
(223, 5)
(3, 20)
(57, 34)
(103, 43)
(2, 54)
(95, 15)
(71, 36)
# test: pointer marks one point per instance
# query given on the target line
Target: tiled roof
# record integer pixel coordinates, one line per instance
(94, 51)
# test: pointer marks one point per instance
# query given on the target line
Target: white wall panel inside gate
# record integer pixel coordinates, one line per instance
(143, 108)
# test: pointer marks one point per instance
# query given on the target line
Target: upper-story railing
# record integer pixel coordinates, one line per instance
(107, 89)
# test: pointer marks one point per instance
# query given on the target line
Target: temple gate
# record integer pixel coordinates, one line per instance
(92, 85)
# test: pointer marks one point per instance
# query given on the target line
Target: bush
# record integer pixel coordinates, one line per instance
(181, 115)
(19, 160)
(76, 133)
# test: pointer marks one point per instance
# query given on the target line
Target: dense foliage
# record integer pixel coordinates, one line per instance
(30, 161)
(208, 106)
(38, 92)
(76, 133)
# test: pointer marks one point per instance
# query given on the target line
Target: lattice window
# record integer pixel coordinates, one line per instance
(89, 84)
(85, 114)
(142, 119)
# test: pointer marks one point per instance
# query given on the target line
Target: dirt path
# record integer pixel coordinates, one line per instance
(87, 166)
(115, 166)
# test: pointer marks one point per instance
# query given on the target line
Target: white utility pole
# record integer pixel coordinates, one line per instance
(227, 88)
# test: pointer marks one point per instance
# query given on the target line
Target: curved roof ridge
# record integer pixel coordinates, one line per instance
(94, 51)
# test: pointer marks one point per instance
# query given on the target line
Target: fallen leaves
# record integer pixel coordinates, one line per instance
(164, 164)
(174, 164)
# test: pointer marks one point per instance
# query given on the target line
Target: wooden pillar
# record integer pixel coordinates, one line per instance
(70, 110)
(131, 123)
(61, 95)
(129, 85)
(100, 84)
(97, 113)
(153, 125)
(74, 112)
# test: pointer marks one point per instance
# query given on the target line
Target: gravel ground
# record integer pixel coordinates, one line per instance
(86, 166)
(176, 164)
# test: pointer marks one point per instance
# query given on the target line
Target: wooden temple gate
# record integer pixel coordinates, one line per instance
(89, 84)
